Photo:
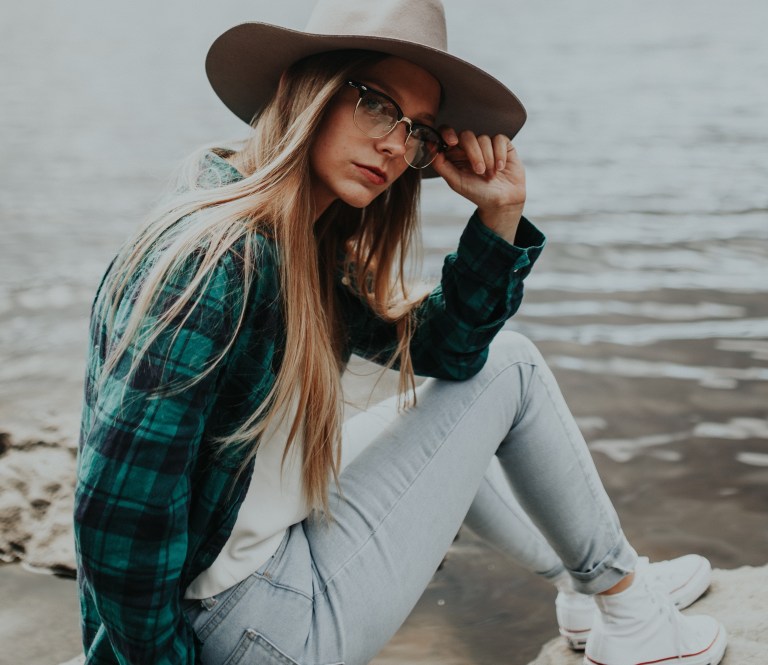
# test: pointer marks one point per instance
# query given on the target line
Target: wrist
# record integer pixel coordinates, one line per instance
(502, 220)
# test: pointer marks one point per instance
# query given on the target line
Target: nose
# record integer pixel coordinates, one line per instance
(394, 142)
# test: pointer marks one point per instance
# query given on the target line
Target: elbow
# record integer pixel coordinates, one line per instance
(460, 367)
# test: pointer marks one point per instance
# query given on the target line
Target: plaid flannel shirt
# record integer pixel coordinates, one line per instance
(154, 505)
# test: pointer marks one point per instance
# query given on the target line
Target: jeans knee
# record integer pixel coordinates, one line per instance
(510, 347)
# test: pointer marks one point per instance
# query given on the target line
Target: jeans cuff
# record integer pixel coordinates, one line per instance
(552, 573)
(615, 566)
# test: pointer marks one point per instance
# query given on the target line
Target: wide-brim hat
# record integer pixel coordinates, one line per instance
(244, 64)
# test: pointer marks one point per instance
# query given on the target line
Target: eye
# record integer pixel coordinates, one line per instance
(426, 135)
(373, 103)
(377, 105)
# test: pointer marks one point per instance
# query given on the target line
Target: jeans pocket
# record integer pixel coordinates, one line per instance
(253, 647)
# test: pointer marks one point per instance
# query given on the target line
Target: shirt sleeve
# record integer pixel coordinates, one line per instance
(481, 287)
(133, 486)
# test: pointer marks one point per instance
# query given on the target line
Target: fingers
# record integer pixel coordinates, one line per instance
(501, 147)
(481, 154)
(449, 135)
(477, 150)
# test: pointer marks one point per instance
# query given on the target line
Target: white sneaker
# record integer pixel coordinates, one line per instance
(641, 625)
(684, 579)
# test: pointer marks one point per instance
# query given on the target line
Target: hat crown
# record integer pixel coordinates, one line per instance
(417, 21)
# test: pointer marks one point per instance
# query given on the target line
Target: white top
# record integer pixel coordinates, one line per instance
(272, 504)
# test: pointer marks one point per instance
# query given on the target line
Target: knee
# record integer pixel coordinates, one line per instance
(510, 347)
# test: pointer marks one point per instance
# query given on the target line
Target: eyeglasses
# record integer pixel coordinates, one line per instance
(377, 114)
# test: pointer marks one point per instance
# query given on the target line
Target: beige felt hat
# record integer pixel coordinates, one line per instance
(245, 63)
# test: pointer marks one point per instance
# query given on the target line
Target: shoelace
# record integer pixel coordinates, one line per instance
(666, 606)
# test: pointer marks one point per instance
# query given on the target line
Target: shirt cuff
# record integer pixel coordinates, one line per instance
(492, 258)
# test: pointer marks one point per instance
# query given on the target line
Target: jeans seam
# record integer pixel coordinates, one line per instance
(535, 532)
(587, 474)
(615, 533)
(226, 607)
(275, 557)
(285, 587)
(491, 381)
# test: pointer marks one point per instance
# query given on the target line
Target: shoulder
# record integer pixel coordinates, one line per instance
(215, 169)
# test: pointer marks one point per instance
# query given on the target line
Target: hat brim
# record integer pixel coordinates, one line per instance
(244, 65)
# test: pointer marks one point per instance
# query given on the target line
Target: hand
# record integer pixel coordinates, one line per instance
(489, 173)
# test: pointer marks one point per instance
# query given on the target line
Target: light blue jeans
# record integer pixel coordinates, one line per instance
(500, 449)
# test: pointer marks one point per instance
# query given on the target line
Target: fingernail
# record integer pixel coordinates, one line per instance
(479, 168)
(500, 165)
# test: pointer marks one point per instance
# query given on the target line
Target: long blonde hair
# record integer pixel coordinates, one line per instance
(273, 198)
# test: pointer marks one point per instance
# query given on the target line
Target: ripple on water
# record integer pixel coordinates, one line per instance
(651, 310)
(736, 428)
(758, 349)
(707, 377)
(624, 450)
(623, 281)
(753, 459)
(643, 334)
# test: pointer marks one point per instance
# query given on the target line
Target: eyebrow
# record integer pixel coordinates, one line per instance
(383, 87)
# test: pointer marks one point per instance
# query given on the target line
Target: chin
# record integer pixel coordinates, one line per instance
(360, 199)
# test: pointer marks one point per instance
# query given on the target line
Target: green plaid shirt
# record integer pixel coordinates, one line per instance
(153, 506)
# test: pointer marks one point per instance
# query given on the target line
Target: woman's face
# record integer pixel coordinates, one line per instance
(349, 165)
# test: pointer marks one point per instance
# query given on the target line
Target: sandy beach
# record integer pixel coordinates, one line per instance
(645, 151)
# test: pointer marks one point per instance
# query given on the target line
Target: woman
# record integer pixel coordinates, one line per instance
(222, 512)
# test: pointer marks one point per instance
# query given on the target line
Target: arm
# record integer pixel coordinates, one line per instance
(133, 485)
(481, 287)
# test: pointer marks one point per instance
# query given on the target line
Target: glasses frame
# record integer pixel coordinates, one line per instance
(363, 90)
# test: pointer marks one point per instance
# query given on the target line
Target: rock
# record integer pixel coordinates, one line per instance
(736, 598)
(36, 501)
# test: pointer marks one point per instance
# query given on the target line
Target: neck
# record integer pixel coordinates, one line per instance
(321, 200)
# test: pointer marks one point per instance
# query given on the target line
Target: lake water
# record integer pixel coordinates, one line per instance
(647, 160)
(646, 149)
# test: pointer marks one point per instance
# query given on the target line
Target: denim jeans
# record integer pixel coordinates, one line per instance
(500, 449)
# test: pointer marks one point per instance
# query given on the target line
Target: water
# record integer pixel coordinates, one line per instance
(646, 145)
(647, 160)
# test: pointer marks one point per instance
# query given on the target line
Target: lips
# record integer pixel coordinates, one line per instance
(374, 174)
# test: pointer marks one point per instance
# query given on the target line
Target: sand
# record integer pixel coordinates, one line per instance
(478, 609)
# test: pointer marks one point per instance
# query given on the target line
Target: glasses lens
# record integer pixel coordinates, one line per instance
(375, 115)
(422, 146)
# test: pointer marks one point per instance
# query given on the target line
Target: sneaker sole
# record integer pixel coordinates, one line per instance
(712, 655)
(577, 640)
(685, 595)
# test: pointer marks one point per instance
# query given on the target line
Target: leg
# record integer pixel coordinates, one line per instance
(495, 514)
(406, 494)
(337, 591)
